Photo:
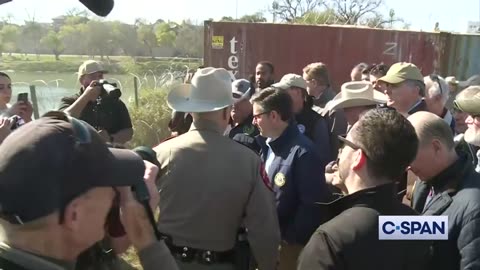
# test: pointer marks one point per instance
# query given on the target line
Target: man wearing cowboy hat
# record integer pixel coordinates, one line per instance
(355, 98)
(210, 186)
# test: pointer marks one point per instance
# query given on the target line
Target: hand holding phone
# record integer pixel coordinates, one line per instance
(22, 97)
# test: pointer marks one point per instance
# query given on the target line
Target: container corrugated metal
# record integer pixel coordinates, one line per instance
(239, 46)
(463, 55)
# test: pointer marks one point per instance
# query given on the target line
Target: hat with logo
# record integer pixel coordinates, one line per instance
(356, 94)
(47, 163)
(210, 90)
(291, 80)
(399, 72)
(89, 67)
(241, 89)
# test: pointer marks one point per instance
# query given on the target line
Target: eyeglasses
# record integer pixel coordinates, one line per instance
(255, 116)
(435, 78)
(343, 141)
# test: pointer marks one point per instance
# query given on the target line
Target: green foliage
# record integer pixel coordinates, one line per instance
(256, 17)
(146, 35)
(53, 41)
(9, 35)
(318, 17)
(165, 35)
(150, 118)
(189, 41)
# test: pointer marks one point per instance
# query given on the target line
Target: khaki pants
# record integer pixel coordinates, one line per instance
(288, 256)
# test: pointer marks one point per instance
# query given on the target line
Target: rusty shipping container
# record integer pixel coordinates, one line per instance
(239, 46)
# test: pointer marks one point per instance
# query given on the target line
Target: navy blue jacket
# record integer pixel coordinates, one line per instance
(298, 180)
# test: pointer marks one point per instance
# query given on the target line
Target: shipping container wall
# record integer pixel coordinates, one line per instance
(463, 56)
(239, 46)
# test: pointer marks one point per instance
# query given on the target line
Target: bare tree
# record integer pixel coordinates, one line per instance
(351, 11)
(290, 10)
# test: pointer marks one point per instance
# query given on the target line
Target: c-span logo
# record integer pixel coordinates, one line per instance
(413, 227)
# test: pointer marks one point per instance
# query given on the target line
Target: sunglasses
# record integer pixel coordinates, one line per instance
(342, 139)
(435, 78)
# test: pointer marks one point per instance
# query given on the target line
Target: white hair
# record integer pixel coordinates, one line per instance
(437, 88)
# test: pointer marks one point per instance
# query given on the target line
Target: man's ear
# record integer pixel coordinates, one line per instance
(437, 146)
(72, 213)
(359, 160)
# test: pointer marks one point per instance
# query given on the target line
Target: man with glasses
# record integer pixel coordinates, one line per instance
(368, 172)
(436, 96)
(405, 88)
(468, 101)
(295, 171)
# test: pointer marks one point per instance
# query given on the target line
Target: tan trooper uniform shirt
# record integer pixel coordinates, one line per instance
(209, 187)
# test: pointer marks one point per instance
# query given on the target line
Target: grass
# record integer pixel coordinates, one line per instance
(115, 64)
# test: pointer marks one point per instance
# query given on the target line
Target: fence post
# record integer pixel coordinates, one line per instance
(135, 87)
(33, 94)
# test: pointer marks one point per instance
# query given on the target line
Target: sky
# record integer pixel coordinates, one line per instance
(420, 14)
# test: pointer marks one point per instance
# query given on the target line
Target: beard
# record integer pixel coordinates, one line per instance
(472, 136)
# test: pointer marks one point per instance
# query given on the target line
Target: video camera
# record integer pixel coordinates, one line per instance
(109, 90)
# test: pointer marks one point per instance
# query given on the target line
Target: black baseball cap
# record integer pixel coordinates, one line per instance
(50, 161)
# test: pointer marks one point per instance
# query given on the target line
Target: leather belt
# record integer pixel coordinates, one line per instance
(189, 255)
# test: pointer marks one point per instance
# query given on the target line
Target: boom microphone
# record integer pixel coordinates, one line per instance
(99, 7)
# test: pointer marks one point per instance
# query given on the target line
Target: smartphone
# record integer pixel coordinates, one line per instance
(22, 97)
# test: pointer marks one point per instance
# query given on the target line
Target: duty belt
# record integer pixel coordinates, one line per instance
(189, 255)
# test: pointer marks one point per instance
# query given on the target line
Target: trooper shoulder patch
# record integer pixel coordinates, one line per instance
(264, 176)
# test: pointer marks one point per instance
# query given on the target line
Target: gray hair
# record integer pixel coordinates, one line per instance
(438, 88)
(419, 84)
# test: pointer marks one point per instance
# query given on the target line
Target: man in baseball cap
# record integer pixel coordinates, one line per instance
(309, 122)
(108, 115)
(405, 88)
(243, 131)
(58, 180)
(468, 101)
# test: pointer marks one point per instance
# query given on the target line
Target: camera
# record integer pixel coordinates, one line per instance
(109, 90)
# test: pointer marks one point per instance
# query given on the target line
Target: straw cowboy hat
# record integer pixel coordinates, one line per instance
(355, 94)
(210, 90)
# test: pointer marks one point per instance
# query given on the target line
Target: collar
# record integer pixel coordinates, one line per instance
(447, 116)
(450, 178)
(420, 105)
(33, 261)
(206, 125)
(283, 141)
(375, 196)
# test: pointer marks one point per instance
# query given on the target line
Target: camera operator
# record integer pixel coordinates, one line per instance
(21, 108)
(46, 223)
(98, 106)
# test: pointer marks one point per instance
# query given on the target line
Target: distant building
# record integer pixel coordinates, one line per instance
(473, 27)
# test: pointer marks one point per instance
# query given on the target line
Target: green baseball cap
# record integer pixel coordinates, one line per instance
(468, 100)
(399, 72)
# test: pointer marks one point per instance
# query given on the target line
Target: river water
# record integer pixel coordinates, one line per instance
(51, 87)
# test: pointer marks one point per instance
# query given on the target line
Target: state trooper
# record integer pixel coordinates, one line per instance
(210, 186)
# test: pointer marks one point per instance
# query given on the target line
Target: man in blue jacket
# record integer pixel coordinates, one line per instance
(294, 169)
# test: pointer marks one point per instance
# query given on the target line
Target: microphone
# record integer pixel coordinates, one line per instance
(99, 7)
